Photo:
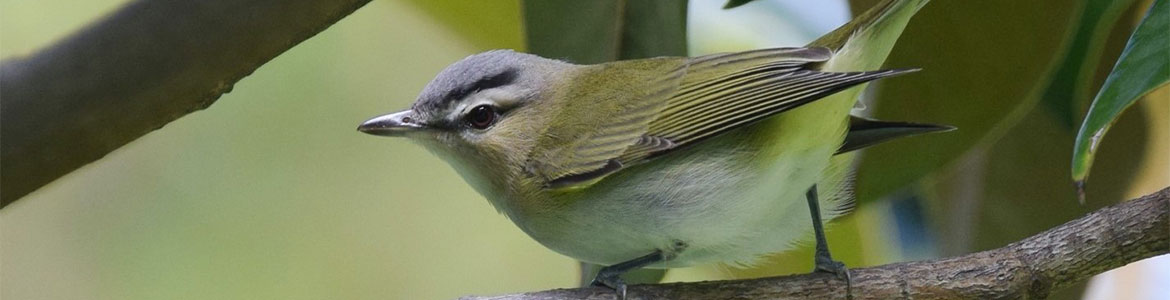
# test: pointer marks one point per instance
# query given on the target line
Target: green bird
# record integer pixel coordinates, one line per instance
(663, 162)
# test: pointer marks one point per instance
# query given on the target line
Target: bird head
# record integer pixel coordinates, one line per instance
(481, 114)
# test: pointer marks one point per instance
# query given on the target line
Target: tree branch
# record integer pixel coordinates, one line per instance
(136, 70)
(1106, 239)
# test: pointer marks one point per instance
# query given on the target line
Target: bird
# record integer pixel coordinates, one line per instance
(663, 162)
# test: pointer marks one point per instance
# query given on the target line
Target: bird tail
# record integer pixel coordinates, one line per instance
(865, 42)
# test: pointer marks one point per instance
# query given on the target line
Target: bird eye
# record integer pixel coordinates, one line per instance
(481, 116)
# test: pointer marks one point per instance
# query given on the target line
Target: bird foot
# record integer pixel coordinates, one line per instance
(838, 269)
(612, 281)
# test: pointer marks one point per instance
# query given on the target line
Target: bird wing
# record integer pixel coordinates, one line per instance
(699, 98)
(607, 109)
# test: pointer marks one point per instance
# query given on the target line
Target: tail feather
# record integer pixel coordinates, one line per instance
(866, 132)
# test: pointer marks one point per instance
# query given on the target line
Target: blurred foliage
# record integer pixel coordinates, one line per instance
(271, 194)
(1006, 49)
(1069, 86)
(467, 18)
(1000, 193)
(1015, 187)
(1143, 66)
(847, 242)
(998, 179)
(590, 32)
(22, 30)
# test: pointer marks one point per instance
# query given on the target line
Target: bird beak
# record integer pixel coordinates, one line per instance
(395, 124)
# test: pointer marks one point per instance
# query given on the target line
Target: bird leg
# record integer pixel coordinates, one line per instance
(611, 276)
(824, 261)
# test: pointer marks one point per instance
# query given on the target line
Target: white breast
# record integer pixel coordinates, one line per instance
(724, 203)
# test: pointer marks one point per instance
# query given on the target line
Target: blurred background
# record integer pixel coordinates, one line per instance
(271, 193)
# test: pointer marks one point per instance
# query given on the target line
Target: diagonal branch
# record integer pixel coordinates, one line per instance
(1106, 239)
(136, 70)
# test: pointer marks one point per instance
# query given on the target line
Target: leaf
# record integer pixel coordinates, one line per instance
(589, 32)
(1069, 87)
(1013, 188)
(1017, 187)
(979, 73)
(486, 24)
(1144, 65)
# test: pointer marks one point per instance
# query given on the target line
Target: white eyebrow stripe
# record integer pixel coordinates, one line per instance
(504, 98)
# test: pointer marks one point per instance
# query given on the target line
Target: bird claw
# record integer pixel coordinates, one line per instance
(612, 281)
(838, 269)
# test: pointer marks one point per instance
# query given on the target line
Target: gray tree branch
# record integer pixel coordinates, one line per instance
(134, 71)
(1106, 239)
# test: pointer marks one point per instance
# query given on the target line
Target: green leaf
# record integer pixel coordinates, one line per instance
(1069, 88)
(590, 32)
(486, 24)
(1144, 65)
(1005, 191)
(979, 74)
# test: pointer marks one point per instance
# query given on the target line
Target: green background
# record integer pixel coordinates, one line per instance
(271, 193)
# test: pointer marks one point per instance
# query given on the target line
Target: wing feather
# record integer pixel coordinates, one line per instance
(607, 110)
(700, 98)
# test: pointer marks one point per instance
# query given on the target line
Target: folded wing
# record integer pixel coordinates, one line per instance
(698, 98)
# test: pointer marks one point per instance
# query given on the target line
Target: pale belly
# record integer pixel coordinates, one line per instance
(717, 202)
(729, 199)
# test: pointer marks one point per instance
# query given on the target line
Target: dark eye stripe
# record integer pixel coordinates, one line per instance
(503, 78)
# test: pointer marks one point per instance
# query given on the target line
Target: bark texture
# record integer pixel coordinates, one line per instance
(134, 71)
(1029, 269)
